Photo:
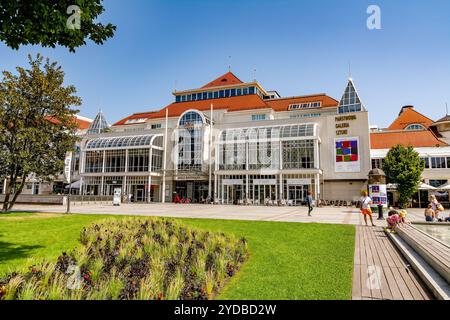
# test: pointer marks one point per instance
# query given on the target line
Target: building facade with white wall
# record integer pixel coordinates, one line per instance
(234, 142)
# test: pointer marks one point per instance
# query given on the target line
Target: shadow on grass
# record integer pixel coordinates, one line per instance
(11, 251)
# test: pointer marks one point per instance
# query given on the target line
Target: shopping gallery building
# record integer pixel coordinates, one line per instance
(237, 143)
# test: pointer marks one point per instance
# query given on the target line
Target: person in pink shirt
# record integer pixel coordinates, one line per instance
(393, 220)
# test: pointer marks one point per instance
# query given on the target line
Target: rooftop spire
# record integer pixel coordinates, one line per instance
(350, 101)
(99, 124)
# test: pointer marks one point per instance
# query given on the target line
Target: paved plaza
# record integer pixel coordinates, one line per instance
(341, 215)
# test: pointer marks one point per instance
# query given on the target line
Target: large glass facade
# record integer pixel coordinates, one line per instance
(190, 141)
(259, 148)
(131, 164)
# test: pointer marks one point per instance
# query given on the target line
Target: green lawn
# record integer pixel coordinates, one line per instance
(288, 260)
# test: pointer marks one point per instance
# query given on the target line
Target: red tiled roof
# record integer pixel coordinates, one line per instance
(283, 104)
(227, 79)
(83, 124)
(232, 104)
(416, 139)
(409, 116)
(176, 109)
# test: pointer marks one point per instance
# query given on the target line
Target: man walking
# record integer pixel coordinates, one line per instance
(309, 200)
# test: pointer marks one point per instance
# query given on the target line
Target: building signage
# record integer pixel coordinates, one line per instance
(264, 182)
(68, 168)
(342, 124)
(299, 182)
(232, 182)
(347, 155)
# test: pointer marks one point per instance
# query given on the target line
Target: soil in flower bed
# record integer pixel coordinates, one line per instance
(134, 259)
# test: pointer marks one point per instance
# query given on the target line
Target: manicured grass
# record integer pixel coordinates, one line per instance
(288, 260)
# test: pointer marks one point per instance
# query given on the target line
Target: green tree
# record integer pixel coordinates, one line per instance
(404, 167)
(37, 126)
(49, 23)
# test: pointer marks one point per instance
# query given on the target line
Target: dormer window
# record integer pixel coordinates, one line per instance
(415, 127)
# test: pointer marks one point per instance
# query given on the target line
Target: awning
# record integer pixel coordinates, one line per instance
(75, 185)
(424, 186)
(444, 187)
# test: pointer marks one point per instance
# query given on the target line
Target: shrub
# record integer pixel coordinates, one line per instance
(142, 259)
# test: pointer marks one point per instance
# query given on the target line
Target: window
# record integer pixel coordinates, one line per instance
(233, 92)
(178, 99)
(298, 154)
(307, 115)
(94, 162)
(156, 126)
(307, 105)
(258, 117)
(251, 90)
(115, 161)
(190, 141)
(415, 126)
(133, 121)
(438, 163)
(377, 163)
(437, 183)
(138, 160)
(239, 91)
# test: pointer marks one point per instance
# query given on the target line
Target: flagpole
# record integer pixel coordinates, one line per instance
(210, 153)
(163, 200)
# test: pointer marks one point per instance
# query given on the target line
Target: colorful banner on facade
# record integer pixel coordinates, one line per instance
(347, 155)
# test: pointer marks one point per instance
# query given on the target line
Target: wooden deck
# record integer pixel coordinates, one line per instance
(380, 271)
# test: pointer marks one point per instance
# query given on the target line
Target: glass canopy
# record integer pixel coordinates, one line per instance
(124, 142)
(290, 131)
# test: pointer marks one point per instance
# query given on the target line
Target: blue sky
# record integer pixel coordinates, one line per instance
(298, 47)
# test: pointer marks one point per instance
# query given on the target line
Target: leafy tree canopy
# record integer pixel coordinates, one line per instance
(404, 167)
(24, 22)
(37, 126)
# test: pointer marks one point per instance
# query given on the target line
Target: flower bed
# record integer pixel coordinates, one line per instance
(144, 259)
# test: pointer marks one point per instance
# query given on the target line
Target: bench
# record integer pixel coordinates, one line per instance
(433, 251)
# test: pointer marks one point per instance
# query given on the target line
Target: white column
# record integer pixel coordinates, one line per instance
(163, 200)
(281, 186)
(102, 186)
(211, 127)
(4, 186)
(318, 194)
(316, 154)
(81, 186)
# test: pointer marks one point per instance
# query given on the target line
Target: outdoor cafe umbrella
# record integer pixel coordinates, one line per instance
(424, 186)
(445, 187)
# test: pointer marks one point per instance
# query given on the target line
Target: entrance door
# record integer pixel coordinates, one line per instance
(297, 194)
(140, 195)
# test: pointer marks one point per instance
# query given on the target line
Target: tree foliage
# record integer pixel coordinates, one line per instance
(45, 23)
(37, 126)
(404, 167)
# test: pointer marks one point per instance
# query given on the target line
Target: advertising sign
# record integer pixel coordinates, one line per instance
(117, 199)
(347, 155)
(378, 193)
(68, 167)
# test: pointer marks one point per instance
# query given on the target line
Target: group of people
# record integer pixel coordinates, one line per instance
(434, 211)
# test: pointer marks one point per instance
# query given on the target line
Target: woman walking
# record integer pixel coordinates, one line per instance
(366, 201)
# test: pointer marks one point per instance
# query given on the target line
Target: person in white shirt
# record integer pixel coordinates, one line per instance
(366, 201)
